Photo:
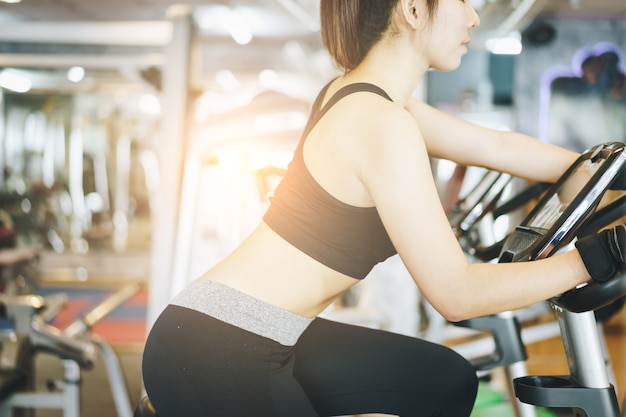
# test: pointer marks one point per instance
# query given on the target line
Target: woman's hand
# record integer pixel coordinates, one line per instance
(604, 253)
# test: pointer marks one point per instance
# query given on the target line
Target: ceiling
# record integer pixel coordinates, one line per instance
(298, 11)
(586, 9)
(500, 17)
(127, 37)
(279, 35)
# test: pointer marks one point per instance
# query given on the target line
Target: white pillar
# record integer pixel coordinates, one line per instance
(171, 152)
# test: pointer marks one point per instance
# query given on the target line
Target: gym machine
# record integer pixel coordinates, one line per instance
(25, 332)
(552, 225)
(507, 335)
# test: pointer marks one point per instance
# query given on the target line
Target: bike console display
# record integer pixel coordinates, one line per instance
(566, 205)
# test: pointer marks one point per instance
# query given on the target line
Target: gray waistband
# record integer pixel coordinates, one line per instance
(241, 310)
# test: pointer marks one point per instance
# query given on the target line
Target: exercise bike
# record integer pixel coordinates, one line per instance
(565, 212)
(506, 348)
(552, 225)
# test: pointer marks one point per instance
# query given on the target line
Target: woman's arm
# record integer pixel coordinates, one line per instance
(398, 177)
(452, 138)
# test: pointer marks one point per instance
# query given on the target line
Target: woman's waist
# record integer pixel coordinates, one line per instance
(241, 310)
(298, 293)
(270, 269)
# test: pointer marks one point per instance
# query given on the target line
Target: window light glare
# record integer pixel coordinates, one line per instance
(13, 81)
(76, 74)
(277, 122)
(239, 28)
(226, 79)
(149, 104)
(269, 78)
(508, 45)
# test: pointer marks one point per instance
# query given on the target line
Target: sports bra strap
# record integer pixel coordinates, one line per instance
(317, 112)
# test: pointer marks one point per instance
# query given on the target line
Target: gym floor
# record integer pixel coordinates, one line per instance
(546, 357)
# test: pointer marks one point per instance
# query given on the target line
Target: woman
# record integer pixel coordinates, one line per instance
(244, 340)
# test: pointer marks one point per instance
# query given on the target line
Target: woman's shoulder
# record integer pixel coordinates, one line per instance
(372, 111)
(385, 122)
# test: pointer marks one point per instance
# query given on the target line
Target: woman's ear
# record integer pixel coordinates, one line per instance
(410, 12)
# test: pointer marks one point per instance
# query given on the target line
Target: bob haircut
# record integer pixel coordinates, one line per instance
(350, 28)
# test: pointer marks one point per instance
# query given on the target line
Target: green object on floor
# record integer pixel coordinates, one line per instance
(492, 403)
(504, 409)
(487, 395)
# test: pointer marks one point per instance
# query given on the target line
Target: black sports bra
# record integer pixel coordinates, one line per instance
(348, 239)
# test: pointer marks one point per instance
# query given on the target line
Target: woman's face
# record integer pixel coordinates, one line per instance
(449, 33)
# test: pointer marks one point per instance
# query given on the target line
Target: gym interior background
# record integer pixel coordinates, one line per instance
(139, 141)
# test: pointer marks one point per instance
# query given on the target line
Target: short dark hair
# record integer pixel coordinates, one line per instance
(350, 28)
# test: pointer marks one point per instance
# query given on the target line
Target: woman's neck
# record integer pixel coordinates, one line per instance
(392, 68)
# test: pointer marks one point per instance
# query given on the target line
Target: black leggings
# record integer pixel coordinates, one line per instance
(197, 366)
